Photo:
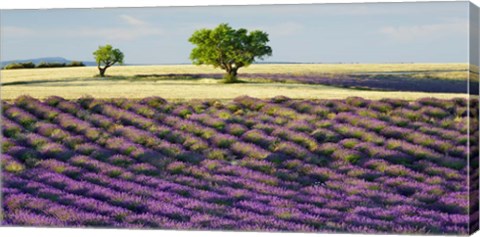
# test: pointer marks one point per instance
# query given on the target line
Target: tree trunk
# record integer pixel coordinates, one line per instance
(233, 73)
(102, 71)
(231, 76)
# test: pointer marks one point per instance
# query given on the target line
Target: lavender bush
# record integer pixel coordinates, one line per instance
(354, 165)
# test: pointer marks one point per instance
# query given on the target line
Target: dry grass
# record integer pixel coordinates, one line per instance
(198, 90)
(441, 71)
(77, 82)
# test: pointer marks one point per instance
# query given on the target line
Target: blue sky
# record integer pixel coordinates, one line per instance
(365, 33)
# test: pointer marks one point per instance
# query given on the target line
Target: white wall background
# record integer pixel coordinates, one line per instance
(32, 4)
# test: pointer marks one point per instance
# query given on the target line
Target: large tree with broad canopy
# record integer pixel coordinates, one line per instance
(229, 49)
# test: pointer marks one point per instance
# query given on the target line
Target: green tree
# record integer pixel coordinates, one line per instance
(106, 56)
(228, 48)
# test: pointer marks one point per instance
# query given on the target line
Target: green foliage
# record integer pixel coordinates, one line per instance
(176, 167)
(230, 78)
(216, 155)
(19, 65)
(106, 56)
(50, 64)
(43, 65)
(75, 64)
(228, 48)
(56, 64)
(11, 131)
(14, 167)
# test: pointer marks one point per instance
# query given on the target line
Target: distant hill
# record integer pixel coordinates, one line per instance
(46, 59)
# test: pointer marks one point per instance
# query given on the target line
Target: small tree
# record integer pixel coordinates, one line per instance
(228, 49)
(106, 56)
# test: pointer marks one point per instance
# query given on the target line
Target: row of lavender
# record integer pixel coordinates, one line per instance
(276, 165)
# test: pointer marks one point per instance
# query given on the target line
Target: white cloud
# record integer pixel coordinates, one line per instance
(14, 31)
(130, 20)
(118, 33)
(135, 29)
(424, 32)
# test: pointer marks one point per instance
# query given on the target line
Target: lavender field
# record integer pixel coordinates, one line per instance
(352, 165)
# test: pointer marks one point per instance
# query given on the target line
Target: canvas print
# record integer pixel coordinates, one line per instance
(323, 118)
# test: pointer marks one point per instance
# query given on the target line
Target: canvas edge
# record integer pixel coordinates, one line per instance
(473, 157)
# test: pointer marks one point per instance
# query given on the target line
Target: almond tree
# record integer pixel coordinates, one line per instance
(106, 56)
(228, 48)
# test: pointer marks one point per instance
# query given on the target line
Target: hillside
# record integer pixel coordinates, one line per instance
(248, 164)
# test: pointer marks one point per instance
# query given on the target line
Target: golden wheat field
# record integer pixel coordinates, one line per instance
(123, 81)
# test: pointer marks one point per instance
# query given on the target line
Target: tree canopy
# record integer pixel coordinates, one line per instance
(228, 48)
(106, 56)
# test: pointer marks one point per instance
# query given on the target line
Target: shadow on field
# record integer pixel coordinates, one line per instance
(386, 82)
(361, 82)
(140, 77)
(173, 76)
(67, 80)
(37, 82)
